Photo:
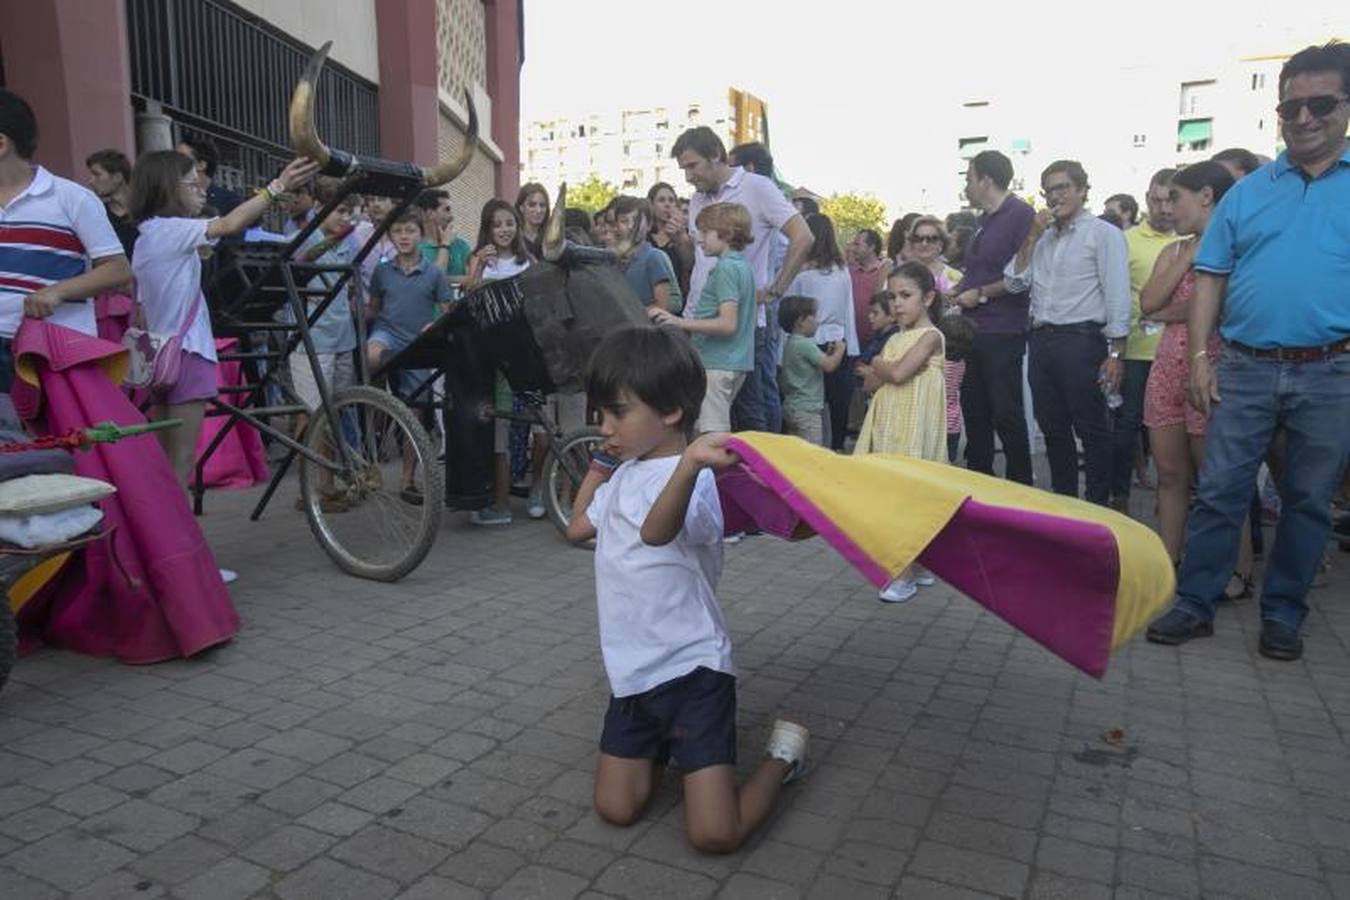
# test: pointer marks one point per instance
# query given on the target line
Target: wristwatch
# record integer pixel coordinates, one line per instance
(1114, 354)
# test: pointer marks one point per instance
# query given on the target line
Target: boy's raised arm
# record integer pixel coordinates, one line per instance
(667, 515)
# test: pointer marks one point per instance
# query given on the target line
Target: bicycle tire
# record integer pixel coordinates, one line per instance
(9, 640)
(388, 433)
(559, 487)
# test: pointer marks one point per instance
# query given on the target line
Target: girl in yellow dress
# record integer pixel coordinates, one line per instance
(908, 413)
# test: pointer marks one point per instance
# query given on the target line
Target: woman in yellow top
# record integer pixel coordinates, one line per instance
(928, 243)
(908, 414)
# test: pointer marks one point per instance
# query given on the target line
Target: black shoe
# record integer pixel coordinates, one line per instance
(1177, 627)
(411, 495)
(1279, 641)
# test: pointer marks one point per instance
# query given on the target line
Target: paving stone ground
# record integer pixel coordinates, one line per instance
(434, 739)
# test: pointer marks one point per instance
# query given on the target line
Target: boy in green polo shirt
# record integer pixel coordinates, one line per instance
(723, 326)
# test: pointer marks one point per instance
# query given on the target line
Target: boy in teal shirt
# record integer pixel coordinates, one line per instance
(723, 326)
(804, 368)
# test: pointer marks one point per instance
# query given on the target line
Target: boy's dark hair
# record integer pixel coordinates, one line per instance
(18, 123)
(1245, 160)
(1333, 56)
(995, 166)
(575, 217)
(1070, 167)
(114, 162)
(753, 156)
(958, 333)
(1129, 206)
(703, 141)
(154, 185)
(659, 366)
(430, 199)
(206, 153)
(792, 310)
(882, 301)
(408, 217)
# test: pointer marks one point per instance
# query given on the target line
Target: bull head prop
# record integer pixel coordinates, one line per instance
(380, 176)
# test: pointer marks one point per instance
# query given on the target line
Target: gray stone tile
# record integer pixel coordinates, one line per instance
(334, 881)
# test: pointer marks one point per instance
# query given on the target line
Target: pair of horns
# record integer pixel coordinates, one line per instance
(552, 237)
(305, 137)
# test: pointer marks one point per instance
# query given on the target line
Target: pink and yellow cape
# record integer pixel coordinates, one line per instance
(1077, 578)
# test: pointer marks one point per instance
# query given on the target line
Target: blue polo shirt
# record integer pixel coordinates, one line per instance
(1283, 240)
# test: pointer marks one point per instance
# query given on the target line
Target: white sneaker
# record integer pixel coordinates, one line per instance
(787, 742)
(229, 576)
(534, 506)
(925, 580)
(898, 591)
(733, 538)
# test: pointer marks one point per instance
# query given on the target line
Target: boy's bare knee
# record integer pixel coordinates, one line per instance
(617, 812)
(714, 840)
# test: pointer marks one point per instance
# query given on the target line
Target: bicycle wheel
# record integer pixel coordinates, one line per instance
(9, 640)
(378, 518)
(564, 470)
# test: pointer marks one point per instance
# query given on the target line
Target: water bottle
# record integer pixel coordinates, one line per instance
(1113, 398)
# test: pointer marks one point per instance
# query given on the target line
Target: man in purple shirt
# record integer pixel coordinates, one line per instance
(991, 392)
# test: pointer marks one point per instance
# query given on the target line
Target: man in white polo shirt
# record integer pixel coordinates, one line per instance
(50, 231)
(703, 157)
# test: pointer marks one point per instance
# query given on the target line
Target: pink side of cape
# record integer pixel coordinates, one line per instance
(176, 604)
(1050, 577)
(239, 461)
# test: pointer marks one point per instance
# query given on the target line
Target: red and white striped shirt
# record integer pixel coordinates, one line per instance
(48, 233)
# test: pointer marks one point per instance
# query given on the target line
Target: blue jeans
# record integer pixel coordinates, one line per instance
(6, 364)
(749, 408)
(1126, 424)
(1310, 401)
(766, 362)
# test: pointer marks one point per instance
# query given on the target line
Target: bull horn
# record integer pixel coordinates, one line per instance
(552, 238)
(304, 136)
(448, 170)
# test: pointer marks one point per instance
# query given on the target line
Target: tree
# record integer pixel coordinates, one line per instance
(853, 212)
(592, 194)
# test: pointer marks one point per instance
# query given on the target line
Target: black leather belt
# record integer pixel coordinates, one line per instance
(1070, 328)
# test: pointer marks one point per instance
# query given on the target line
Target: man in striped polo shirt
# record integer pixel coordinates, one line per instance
(57, 249)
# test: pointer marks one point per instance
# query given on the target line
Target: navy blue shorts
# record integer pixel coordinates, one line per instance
(688, 722)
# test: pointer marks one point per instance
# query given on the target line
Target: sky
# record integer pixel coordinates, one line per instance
(854, 97)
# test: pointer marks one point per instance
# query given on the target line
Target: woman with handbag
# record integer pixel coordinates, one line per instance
(175, 352)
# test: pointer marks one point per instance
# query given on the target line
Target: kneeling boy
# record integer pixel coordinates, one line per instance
(650, 501)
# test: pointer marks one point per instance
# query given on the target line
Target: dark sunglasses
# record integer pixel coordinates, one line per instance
(1319, 106)
(926, 238)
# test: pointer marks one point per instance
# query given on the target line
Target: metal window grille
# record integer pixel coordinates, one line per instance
(221, 72)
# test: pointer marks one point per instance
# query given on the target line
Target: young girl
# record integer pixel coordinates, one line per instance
(532, 206)
(166, 197)
(908, 414)
(500, 254)
(669, 234)
(825, 279)
(958, 333)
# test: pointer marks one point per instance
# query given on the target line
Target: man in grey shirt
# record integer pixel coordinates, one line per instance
(1076, 267)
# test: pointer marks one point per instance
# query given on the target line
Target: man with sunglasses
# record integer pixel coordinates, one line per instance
(1273, 273)
(1076, 267)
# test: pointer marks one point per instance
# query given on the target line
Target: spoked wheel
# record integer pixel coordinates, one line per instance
(379, 518)
(565, 470)
(9, 640)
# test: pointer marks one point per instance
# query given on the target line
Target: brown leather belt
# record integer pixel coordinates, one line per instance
(1294, 354)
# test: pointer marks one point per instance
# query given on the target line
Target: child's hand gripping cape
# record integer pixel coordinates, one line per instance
(1077, 578)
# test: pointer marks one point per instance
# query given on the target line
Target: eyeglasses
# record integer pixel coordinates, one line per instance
(1320, 106)
(925, 238)
(1054, 190)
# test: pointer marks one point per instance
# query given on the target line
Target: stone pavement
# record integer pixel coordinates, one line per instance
(434, 739)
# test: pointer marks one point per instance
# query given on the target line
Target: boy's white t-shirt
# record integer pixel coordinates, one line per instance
(168, 273)
(659, 616)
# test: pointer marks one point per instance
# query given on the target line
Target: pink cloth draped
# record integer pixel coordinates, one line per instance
(997, 556)
(114, 313)
(174, 604)
(239, 461)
